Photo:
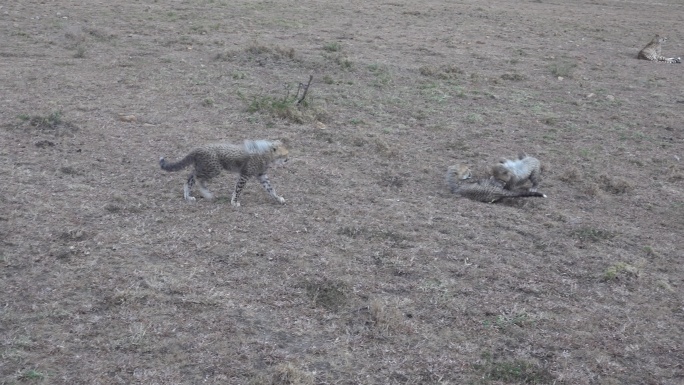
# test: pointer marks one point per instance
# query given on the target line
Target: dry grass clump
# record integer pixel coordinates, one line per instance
(620, 270)
(386, 320)
(329, 294)
(513, 372)
(52, 123)
(284, 374)
(258, 52)
(592, 234)
(614, 185)
(515, 77)
(443, 72)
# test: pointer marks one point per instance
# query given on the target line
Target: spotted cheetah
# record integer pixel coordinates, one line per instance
(515, 173)
(652, 51)
(489, 190)
(252, 159)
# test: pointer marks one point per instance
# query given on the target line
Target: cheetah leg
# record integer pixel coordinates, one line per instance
(669, 59)
(242, 180)
(263, 178)
(204, 190)
(188, 187)
(534, 178)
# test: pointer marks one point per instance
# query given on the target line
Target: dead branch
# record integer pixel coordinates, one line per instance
(305, 88)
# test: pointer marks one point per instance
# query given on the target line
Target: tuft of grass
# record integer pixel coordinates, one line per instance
(276, 52)
(32, 374)
(70, 170)
(592, 234)
(572, 175)
(326, 293)
(332, 47)
(172, 16)
(513, 77)
(50, 121)
(113, 207)
(614, 185)
(327, 79)
(366, 233)
(586, 154)
(289, 107)
(444, 72)
(352, 231)
(386, 320)
(80, 52)
(391, 181)
(208, 102)
(550, 120)
(284, 374)
(200, 29)
(138, 331)
(649, 251)
(514, 372)
(562, 69)
(620, 269)
(382, 75)
(281, 108)
(258, 52)
(344, 62)
(505, 320)
(474, 118)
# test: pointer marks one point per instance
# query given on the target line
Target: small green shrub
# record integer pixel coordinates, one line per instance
(332, 47)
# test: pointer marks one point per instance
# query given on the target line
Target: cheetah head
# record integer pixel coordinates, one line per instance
(279, 153)
(501, 173)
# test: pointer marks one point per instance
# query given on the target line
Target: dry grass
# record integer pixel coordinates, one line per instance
(372, 273)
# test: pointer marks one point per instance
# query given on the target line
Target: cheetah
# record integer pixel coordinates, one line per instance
(515, 173)
(252, 159)
(652, 51)
(488, 190)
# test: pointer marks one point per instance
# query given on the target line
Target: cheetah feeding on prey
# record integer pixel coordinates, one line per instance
(487, 190)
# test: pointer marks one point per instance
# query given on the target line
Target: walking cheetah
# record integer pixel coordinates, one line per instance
(514, 173)
(252, 159)
(652, 51)
(483, 190)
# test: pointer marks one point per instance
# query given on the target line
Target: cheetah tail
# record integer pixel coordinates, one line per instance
(175, 166)
(453, 186)
(523, 194)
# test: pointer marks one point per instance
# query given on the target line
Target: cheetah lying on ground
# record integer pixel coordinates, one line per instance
(489, 190)
(652, 51)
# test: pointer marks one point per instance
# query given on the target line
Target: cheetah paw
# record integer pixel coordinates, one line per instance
(190, 199)
(235, 203)
(281, 200)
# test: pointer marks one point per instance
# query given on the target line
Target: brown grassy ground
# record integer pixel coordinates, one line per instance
(372, 273)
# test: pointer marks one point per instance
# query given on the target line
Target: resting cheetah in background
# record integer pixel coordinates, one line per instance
(652, 51)
(252, 159)
(483, 190)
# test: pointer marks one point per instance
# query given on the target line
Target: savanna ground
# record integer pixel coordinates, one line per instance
(372, 272)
